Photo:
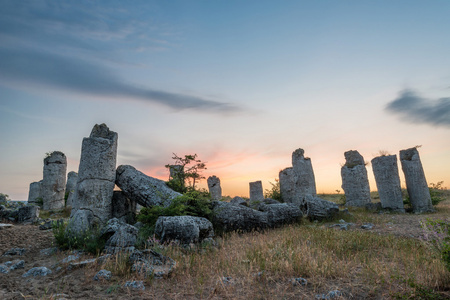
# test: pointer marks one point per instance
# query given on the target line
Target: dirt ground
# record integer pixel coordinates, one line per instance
(79, 283)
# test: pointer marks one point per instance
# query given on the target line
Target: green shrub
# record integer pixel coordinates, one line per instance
(436, 233)
(89, 241)
(274, 192)
(193, 203)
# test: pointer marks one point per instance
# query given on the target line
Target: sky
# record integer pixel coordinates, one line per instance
(242, 84)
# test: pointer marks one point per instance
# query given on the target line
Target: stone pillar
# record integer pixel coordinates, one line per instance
(355, 182)
(54, 181)
(214, 187)
(287, 186)
(256, 192)
(35, 192)
(305, 183)
(72, 179)
(96, 179)
(385, 170)
(416, 184)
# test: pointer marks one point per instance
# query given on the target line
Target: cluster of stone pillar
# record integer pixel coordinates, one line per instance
(298, 181)
(356, 184)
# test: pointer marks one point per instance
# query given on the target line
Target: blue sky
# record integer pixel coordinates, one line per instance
(240, 83)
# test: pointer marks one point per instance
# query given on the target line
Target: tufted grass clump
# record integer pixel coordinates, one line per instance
(89, 241)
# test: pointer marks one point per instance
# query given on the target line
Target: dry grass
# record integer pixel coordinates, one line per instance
(361, 264)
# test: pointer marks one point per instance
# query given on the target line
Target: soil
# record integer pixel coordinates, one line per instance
(79, 284)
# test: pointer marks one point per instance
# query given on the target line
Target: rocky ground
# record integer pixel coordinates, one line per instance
(78, 283)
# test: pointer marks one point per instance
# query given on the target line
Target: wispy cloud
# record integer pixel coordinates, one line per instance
(70, 46)
(415, 109)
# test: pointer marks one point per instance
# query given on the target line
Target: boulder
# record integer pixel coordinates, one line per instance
(119, 236)
(239, 201)
(319, 209)
(151, 263)
(144, 190)
(279, 214)
(28, 214)
(184, 229)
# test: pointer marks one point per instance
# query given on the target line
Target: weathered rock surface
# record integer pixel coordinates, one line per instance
(279, 214)
(37, 271)
(102, 274)
(238, 201)
(119, 236)
(256, 193)
(123, 208)
(287, 186)
(416, 183)
(214, 187)
(305, 182)
(355, 182)
(149, 262)
(72, 179)
(96, 175)
(28, 214)
(184, 229)
(385, 170)
(319, 209)
(34, 194)
(143, 189)
(54, 181)
(229, 217)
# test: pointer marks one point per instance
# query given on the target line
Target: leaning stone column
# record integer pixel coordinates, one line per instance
(96, 176)
(72, 179)
(305, 183)
(385, 170)
(416, 184)
(214, 187)
(34, 192)
(355, 182)
(256, 192)
(54, 181)
(287, 186)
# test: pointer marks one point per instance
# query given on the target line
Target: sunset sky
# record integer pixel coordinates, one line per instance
(240, 83)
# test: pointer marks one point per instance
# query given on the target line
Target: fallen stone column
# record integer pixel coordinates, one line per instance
(416, 183)
(214, 188)
(280, 214)
(355, 182)
(54, 181)
(35, 192)
(305, 183)
(228, 217)
(72, 179)
(319, 209)
(185, 229)
(385, 170)
(145, 190)
(287, 186)
(96, 177)
(256, 193)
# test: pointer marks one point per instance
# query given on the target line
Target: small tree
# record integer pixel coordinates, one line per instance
(189, 169)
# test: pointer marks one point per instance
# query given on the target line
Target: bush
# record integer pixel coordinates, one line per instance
(193, 203)
(274, 192)
(89, 241)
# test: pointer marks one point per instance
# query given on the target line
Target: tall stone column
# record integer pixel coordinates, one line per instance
(92, 203)
(287, 186)
(305, 183)
(355, 182)
(214, 188)
(72, 179)
(54, 181)
(416, 183)
(35, 192)
(385, 170)
(256, 192)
